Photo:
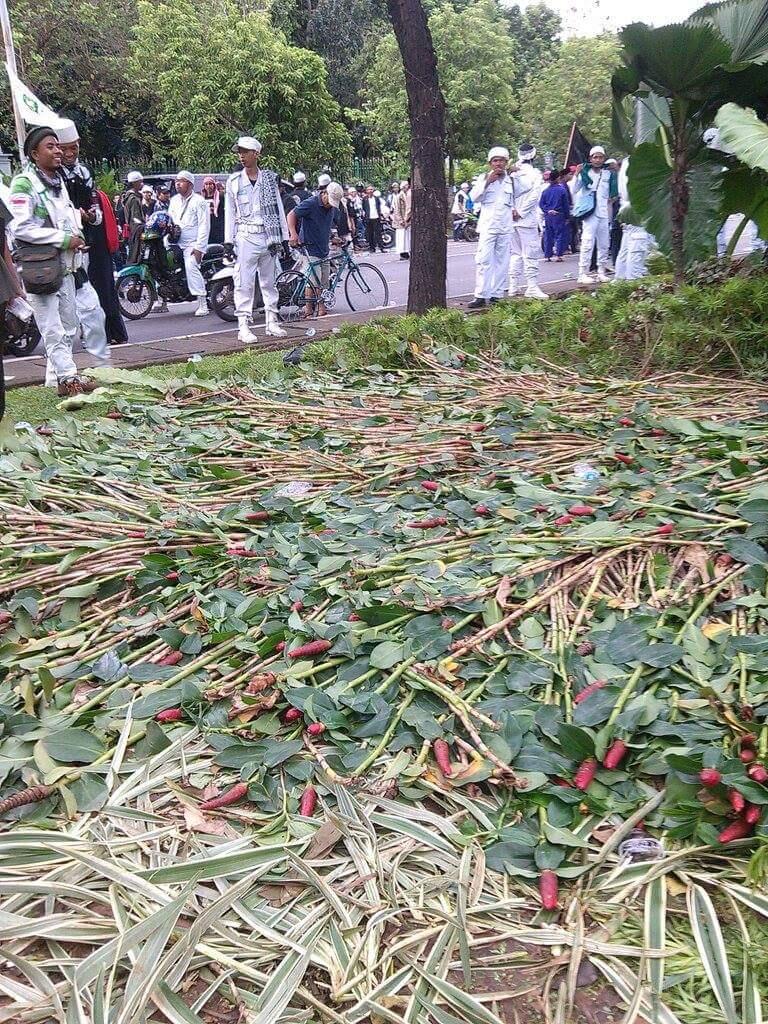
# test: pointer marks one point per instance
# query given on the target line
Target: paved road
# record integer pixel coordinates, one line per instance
(181, 332)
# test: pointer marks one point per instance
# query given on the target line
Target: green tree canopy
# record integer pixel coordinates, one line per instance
(74, 55)
(536, 32)
(476, 63)
(576, 86)
(219, 73)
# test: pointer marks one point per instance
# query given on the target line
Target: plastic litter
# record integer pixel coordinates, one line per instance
(640, 846)
(295, 489)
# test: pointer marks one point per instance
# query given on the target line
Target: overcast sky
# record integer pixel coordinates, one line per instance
(587, 17)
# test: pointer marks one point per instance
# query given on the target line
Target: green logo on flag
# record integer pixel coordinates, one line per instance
(31, 102)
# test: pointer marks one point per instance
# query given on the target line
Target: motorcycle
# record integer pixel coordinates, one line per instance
(160, 275)
(17, 337)
(467, 228)
(221, 297)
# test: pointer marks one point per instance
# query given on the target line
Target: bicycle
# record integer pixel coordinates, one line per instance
(365, 287)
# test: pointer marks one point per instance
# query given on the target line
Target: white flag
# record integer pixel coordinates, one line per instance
(32, 110)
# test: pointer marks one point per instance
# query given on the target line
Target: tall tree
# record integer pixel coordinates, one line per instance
(476, 61)
(426, 115)
(338, 30)
(225, 73)
(74, 54)
(576, 86)
(536, 32)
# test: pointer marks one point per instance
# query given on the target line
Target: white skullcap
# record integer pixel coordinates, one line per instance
(323, 180)
(247, 142)
(299, 178)
(403, 184)
(186, 176)
(595, 150)
(498, 151)
(335, 193)
(68, 132)
(377, 194)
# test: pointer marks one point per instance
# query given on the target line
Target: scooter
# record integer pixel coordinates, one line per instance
(160, 274)
(221, 297)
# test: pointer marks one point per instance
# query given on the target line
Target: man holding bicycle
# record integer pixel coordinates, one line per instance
(314, 219)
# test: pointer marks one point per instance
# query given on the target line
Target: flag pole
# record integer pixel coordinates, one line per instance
(10, 56)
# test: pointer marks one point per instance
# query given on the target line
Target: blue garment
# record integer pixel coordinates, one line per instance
(556, 199)
(316, 222)
(555, 203)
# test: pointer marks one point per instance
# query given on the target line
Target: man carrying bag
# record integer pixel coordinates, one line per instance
(47, 233)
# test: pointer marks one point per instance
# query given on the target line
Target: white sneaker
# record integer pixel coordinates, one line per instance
(534, 292)
(161, 306)
(202, 307)
(245, 334)
(586, 279)
(515, 288)
(602, 276)
(274, 330)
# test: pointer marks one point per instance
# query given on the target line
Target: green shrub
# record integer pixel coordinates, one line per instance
(625, 329)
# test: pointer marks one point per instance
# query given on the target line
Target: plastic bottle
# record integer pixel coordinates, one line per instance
(585, 475)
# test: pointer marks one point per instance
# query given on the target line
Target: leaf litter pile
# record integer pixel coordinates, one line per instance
(398, 699)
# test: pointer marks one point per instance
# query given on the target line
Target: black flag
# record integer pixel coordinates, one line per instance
(578, 147)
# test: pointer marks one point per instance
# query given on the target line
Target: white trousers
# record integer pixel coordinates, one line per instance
(492, 260)
(254, 258)
(403, 239)
(195, 280)
(524, 262)
(635, 246)
(594, 229)
(90, 318)
(56, 316)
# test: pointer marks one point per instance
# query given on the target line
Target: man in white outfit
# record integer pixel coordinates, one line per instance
(527, 182)
(495, 192)
(191, 216)
(596, 180)
(636, 242)
(256, 228)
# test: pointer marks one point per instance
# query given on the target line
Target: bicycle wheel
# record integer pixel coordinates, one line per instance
(135, 296)
(290, 295)
(365, 287)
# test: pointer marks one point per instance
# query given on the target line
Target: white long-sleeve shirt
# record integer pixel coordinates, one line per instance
(42, 217)
(193, 215)
(496, 198)
(527, 184)
(600, 183)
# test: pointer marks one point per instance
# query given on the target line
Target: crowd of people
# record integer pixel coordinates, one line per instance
(524, 212)
(69, 237)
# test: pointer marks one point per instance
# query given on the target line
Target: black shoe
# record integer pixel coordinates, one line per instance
(494, 301)
(476, 304)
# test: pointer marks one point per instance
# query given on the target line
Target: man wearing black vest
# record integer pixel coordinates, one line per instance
(372, 216)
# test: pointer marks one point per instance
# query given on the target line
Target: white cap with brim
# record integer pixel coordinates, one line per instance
(68, 132)
(133, 176)
(186, 176)
(595, 150)
(335, 193)
(498, 151)
(247, 142)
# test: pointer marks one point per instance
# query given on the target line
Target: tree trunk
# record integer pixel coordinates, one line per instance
(679, 198)
(426, 112)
